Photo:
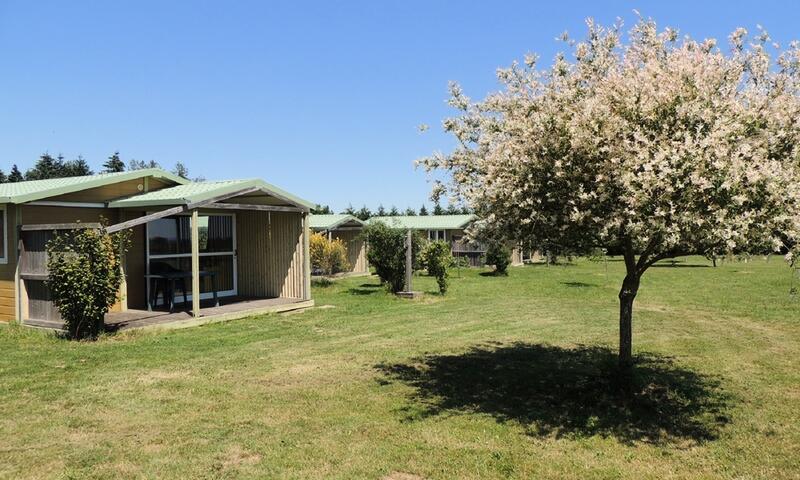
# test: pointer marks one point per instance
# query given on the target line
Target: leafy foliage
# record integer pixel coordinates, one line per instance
(56, 167)
(438, 259)
(499, 255)
(114, 164)
(387, 253)
(327, 256)
(656, 143)
(321, 210)
(85, 273)
(141, 164)
(15, 175)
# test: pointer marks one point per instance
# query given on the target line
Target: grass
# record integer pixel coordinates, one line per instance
(505, 377)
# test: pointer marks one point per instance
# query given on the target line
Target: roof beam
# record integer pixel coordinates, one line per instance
(223, 196)
(147, 218)
(52, 203)
(58, 226)
(247, 206)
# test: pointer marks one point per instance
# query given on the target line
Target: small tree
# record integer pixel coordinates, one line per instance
(141, 164)
(85, 273)
(437, 259)
(499, 255)
(15, 175)
(653, 143)
(327, 256)
(363, 213)
(114, 164)
(181, 170)
(387, 253)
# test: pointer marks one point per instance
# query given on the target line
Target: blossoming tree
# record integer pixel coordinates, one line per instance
(655, 144)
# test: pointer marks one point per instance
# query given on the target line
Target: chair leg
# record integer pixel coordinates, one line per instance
(214, 290)
(183, 288)
(171, 295)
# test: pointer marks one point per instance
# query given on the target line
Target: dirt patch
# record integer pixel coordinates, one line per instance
(402, 476)
(155, 376)
(236, 457)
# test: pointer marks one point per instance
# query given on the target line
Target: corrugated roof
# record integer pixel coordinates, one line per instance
(32, 190)
(427, 222)
(200, 191)
(327, 222)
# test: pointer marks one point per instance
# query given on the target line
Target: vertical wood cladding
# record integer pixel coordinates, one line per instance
(270, 259)
(356, 248)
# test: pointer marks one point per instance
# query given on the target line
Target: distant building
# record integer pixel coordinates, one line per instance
(449, 228)
(346, 228)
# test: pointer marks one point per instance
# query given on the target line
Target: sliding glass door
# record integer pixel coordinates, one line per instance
(169, 249)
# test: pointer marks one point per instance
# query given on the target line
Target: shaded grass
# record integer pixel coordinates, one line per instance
(504, 377)
(568, 392)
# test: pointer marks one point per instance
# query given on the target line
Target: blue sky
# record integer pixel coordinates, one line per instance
(320, 98)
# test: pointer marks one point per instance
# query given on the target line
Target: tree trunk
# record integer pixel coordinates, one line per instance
(626, 296)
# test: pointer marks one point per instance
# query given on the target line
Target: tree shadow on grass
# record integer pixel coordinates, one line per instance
(678, 264)
(566, 392)
(579, 284)
(493, 273)
(363, 291)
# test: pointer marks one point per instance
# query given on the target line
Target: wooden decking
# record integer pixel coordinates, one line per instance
(230, 308)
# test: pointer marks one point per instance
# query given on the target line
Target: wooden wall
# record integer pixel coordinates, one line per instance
(37, 305)
(135, 267)
(8, 310)
(356, 249)
(112, 192)
(271, 259)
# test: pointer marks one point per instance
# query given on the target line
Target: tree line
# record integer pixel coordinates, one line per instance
(48, 166)
(365, 213)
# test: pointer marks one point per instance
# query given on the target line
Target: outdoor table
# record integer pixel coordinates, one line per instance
(167, 280)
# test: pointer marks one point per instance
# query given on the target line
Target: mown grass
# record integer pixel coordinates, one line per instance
(505, 377)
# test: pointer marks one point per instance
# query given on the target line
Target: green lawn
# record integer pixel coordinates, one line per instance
(505, 377)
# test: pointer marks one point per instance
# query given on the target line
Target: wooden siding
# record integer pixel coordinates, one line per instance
(135, 267)
(111, 192)
(37, 304)
(356, 248)
(8, 310)
(270, 257)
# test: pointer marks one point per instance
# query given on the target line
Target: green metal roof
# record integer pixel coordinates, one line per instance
(329, 222)
(199, 191)
(32, 190)
(427, 222)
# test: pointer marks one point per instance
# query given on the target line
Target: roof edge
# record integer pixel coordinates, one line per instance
(95, 183)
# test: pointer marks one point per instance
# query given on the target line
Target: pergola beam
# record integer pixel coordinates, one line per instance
(147, 218)
(247, 206)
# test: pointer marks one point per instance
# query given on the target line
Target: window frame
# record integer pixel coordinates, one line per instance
(232, 254)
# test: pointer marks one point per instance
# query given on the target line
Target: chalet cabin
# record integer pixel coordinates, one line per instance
(212, 249)
(449, 228)
(346, 228)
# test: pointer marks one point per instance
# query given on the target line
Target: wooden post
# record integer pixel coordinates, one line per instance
(306, 257)
(195, 235)
(409, 262)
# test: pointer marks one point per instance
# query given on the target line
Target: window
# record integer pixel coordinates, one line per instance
(3, 235)
(436, 235)
(169, 247)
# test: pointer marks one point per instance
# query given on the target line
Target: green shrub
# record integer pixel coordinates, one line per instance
(438, 259)
(327, 256)
(85, 273)
(499, 255)
(386, 253)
